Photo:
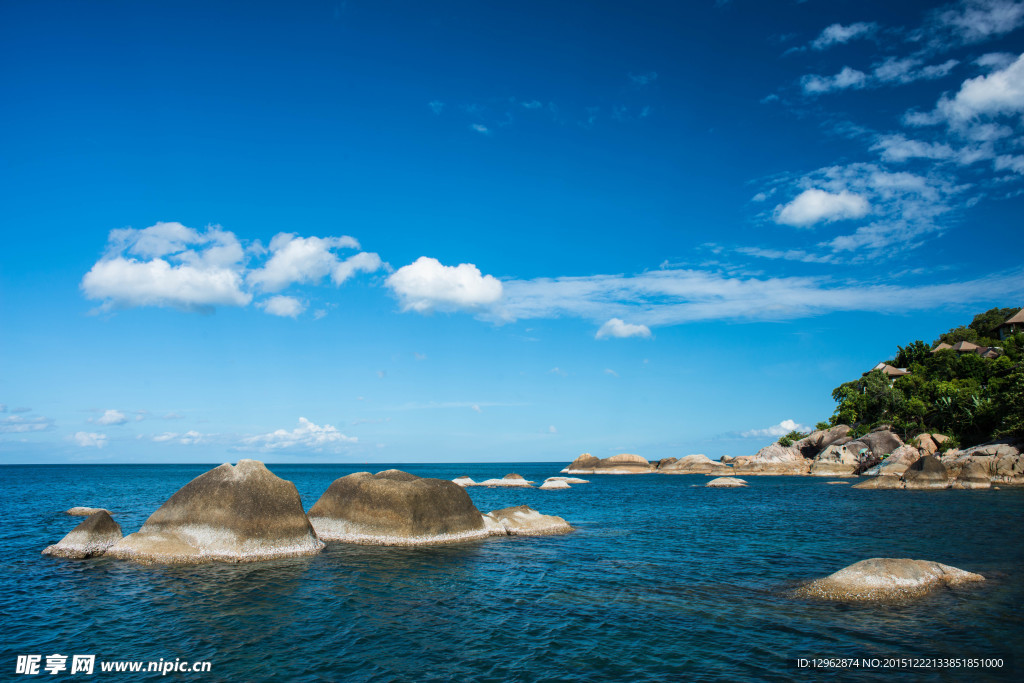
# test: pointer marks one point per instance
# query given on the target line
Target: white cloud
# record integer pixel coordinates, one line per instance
(815, 206)
(426, 285)
(476, 408)
(898, 148)
(16, 424)
(127, 282)
(301, 260)
(552, 429)
(436, 107)
(973, 21)
(999, 92)
(89, 439)
(644, 79)
(187, 439)
(532, 104)
(910, 69)
(837, 34)
(621, 330)
(480, 128)
(609, 371)
(781, 429)
(363, 262)
(814, 84)
(112, 417)
(284, 306)
(307, 436)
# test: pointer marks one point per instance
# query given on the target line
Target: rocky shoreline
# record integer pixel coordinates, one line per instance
(879, 457)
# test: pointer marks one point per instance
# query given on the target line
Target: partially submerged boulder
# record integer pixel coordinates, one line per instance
(233, 514)
(1002, 460)
(524, 521)
(886, 481)
(694, 464)
(624, 463)
(973, 475)
(725, 483)
(773, 459)
(882, 578)
(91, 537)
(569, 480)
(395, 508)
(464, 481)
(79, 511)
(549, 485)
(927, 473)
(508, 480)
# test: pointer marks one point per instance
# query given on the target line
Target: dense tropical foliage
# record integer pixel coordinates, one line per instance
(963, 395)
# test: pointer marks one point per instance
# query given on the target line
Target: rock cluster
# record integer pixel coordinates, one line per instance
(881, 578)
(624, 463)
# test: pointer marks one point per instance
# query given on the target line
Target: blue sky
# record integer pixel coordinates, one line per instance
(463, 231)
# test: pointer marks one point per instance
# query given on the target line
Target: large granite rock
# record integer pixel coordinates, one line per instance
(624, 463)
(664, 462)
(834, 461)
(91, 537)
(973, 475)
(872, 447)
(927, 473)
(897, 463)
(882, 578)
(524, 521)
(726, 459)
(883, 482)
(233, 514)
(773, 459)
(395, 508)
(725, 483)
(694, 464)
(554, 484)
(79, 511)
(817, 441)
(463, 480)
(1003, 460)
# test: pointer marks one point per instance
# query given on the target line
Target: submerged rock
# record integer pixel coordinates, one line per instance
(694, 464)
(725, 483)
(885, 481)
(624, 463)
(234, 514)
(91, 537)
(395, 508)
(569, 480)
(464, 481)
(833, 483)
(85, 512)
(524, 521)
(881, 578)
(550, 484)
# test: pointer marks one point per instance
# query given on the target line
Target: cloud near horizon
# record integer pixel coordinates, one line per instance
(307, 436)
(781, 429)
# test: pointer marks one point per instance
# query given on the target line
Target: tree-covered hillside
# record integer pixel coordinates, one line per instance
(958, 393)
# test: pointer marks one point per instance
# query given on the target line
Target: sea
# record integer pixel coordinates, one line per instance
(662, 580)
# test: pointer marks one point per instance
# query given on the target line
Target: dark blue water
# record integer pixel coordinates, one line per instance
(663, 580)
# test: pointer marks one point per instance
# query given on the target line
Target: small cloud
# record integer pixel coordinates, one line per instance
(112, 417)
(476, 408)
(814, 84)
(621, 330)
(644, 79)
(558, 371)
(89, 439)
(759, 197)
(768, 99)
(436, 107)
(532, 104)
(381, 374)
(426, 285)
(15, 424)
(319, 313)
(814, 206)
(172, 416)
(837, 34)
(283, 306)
(307, 436)
(781, 429)
(552, 430)
(419, 356)
(480, 128)
(609, 371)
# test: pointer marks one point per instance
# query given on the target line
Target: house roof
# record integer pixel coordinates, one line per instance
(941, 346)
(965, 346)
(1017, 317)
(889, 370)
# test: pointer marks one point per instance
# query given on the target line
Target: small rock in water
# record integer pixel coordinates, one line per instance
(725, 483)
(524, 521)
(883, 578)
(507, 480)
(92, 537)
(549, 485)
(464, 481)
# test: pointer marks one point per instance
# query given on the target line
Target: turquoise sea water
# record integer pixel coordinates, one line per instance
(663, 580)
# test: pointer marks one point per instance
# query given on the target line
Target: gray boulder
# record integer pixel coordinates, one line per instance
(725, 483)
(774, 459)
(524, 521)
(395, 508)
(834, 461)
(624, 463)
(871, 448)
(927, 473)
(897, 463)
(973, 475)
(882, 579)
(232, 514)
(91, 537)
(694, 464)
(555, 484)
(815, 442)
(85, 511)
